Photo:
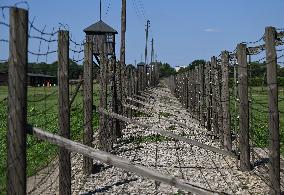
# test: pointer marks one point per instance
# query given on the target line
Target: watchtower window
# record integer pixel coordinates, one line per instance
(109, 38)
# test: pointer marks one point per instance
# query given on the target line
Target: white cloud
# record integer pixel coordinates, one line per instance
(211, 30)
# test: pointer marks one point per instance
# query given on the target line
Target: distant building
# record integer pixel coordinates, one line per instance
(3, 78)
(41, 80)
(33, 79)
(179, 67)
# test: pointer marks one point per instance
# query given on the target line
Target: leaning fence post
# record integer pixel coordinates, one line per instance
(274, 144)
(64, 111)
(225, 99)
(17, 102)
(243, 107)
(88, 102)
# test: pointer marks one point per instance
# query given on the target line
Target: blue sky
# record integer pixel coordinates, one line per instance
(183, 30)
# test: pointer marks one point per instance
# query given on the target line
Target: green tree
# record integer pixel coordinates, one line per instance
(166, 69)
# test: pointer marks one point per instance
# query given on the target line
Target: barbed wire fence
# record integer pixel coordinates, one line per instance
(80, 104)
(238, 108)
(39, 166)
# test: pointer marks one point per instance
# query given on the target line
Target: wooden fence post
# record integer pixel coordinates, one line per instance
(116, 107)
(190, 94)
(208, 95)
(104, 134)
(140, 77)
(243, 107)
(202, 95)
(17, 102)
(225, 99)
(214, 99)
(274, 144)
(88, 102)
(64, 111)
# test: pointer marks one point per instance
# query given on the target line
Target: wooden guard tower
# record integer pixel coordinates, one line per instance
(102, 35)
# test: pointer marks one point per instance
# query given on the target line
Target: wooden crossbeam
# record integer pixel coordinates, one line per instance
(116, 161)
(168, 133)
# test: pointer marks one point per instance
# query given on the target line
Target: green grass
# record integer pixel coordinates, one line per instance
(259, 132)
(43, 114)
(3, 92)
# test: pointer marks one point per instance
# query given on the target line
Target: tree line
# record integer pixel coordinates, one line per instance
(75, 70)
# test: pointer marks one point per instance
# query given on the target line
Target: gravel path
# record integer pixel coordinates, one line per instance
(203, 168)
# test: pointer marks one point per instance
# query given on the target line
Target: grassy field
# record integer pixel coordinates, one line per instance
(43, 113)
(259, 116)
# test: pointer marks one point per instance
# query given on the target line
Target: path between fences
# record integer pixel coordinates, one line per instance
(204, 168)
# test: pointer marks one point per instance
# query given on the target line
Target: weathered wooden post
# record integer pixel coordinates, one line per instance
(195, 92)
(273, 124)
(190, 94)
(88, 102)
(136, 81)
(64, 111)
(225, 99)
(17, 102)
(208, 96)
(141, 76)
(243, 107)
(202, 95)
(214, 82)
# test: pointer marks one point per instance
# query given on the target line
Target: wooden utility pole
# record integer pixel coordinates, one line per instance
(88, 102)
(146, 45)
(64, 112)
(152, 50)
(123, 30)
(146, 55)
(17, 102)
(243, 107)
(273, 124)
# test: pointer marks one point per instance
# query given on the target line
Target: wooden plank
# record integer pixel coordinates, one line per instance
(117, 161)
(273, 124)
(225, 99)
(168, 133)
(88, 102)
(243, 108)
(64, 112)
(17, 102)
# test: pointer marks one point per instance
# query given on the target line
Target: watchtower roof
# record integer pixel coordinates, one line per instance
(99, 27)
